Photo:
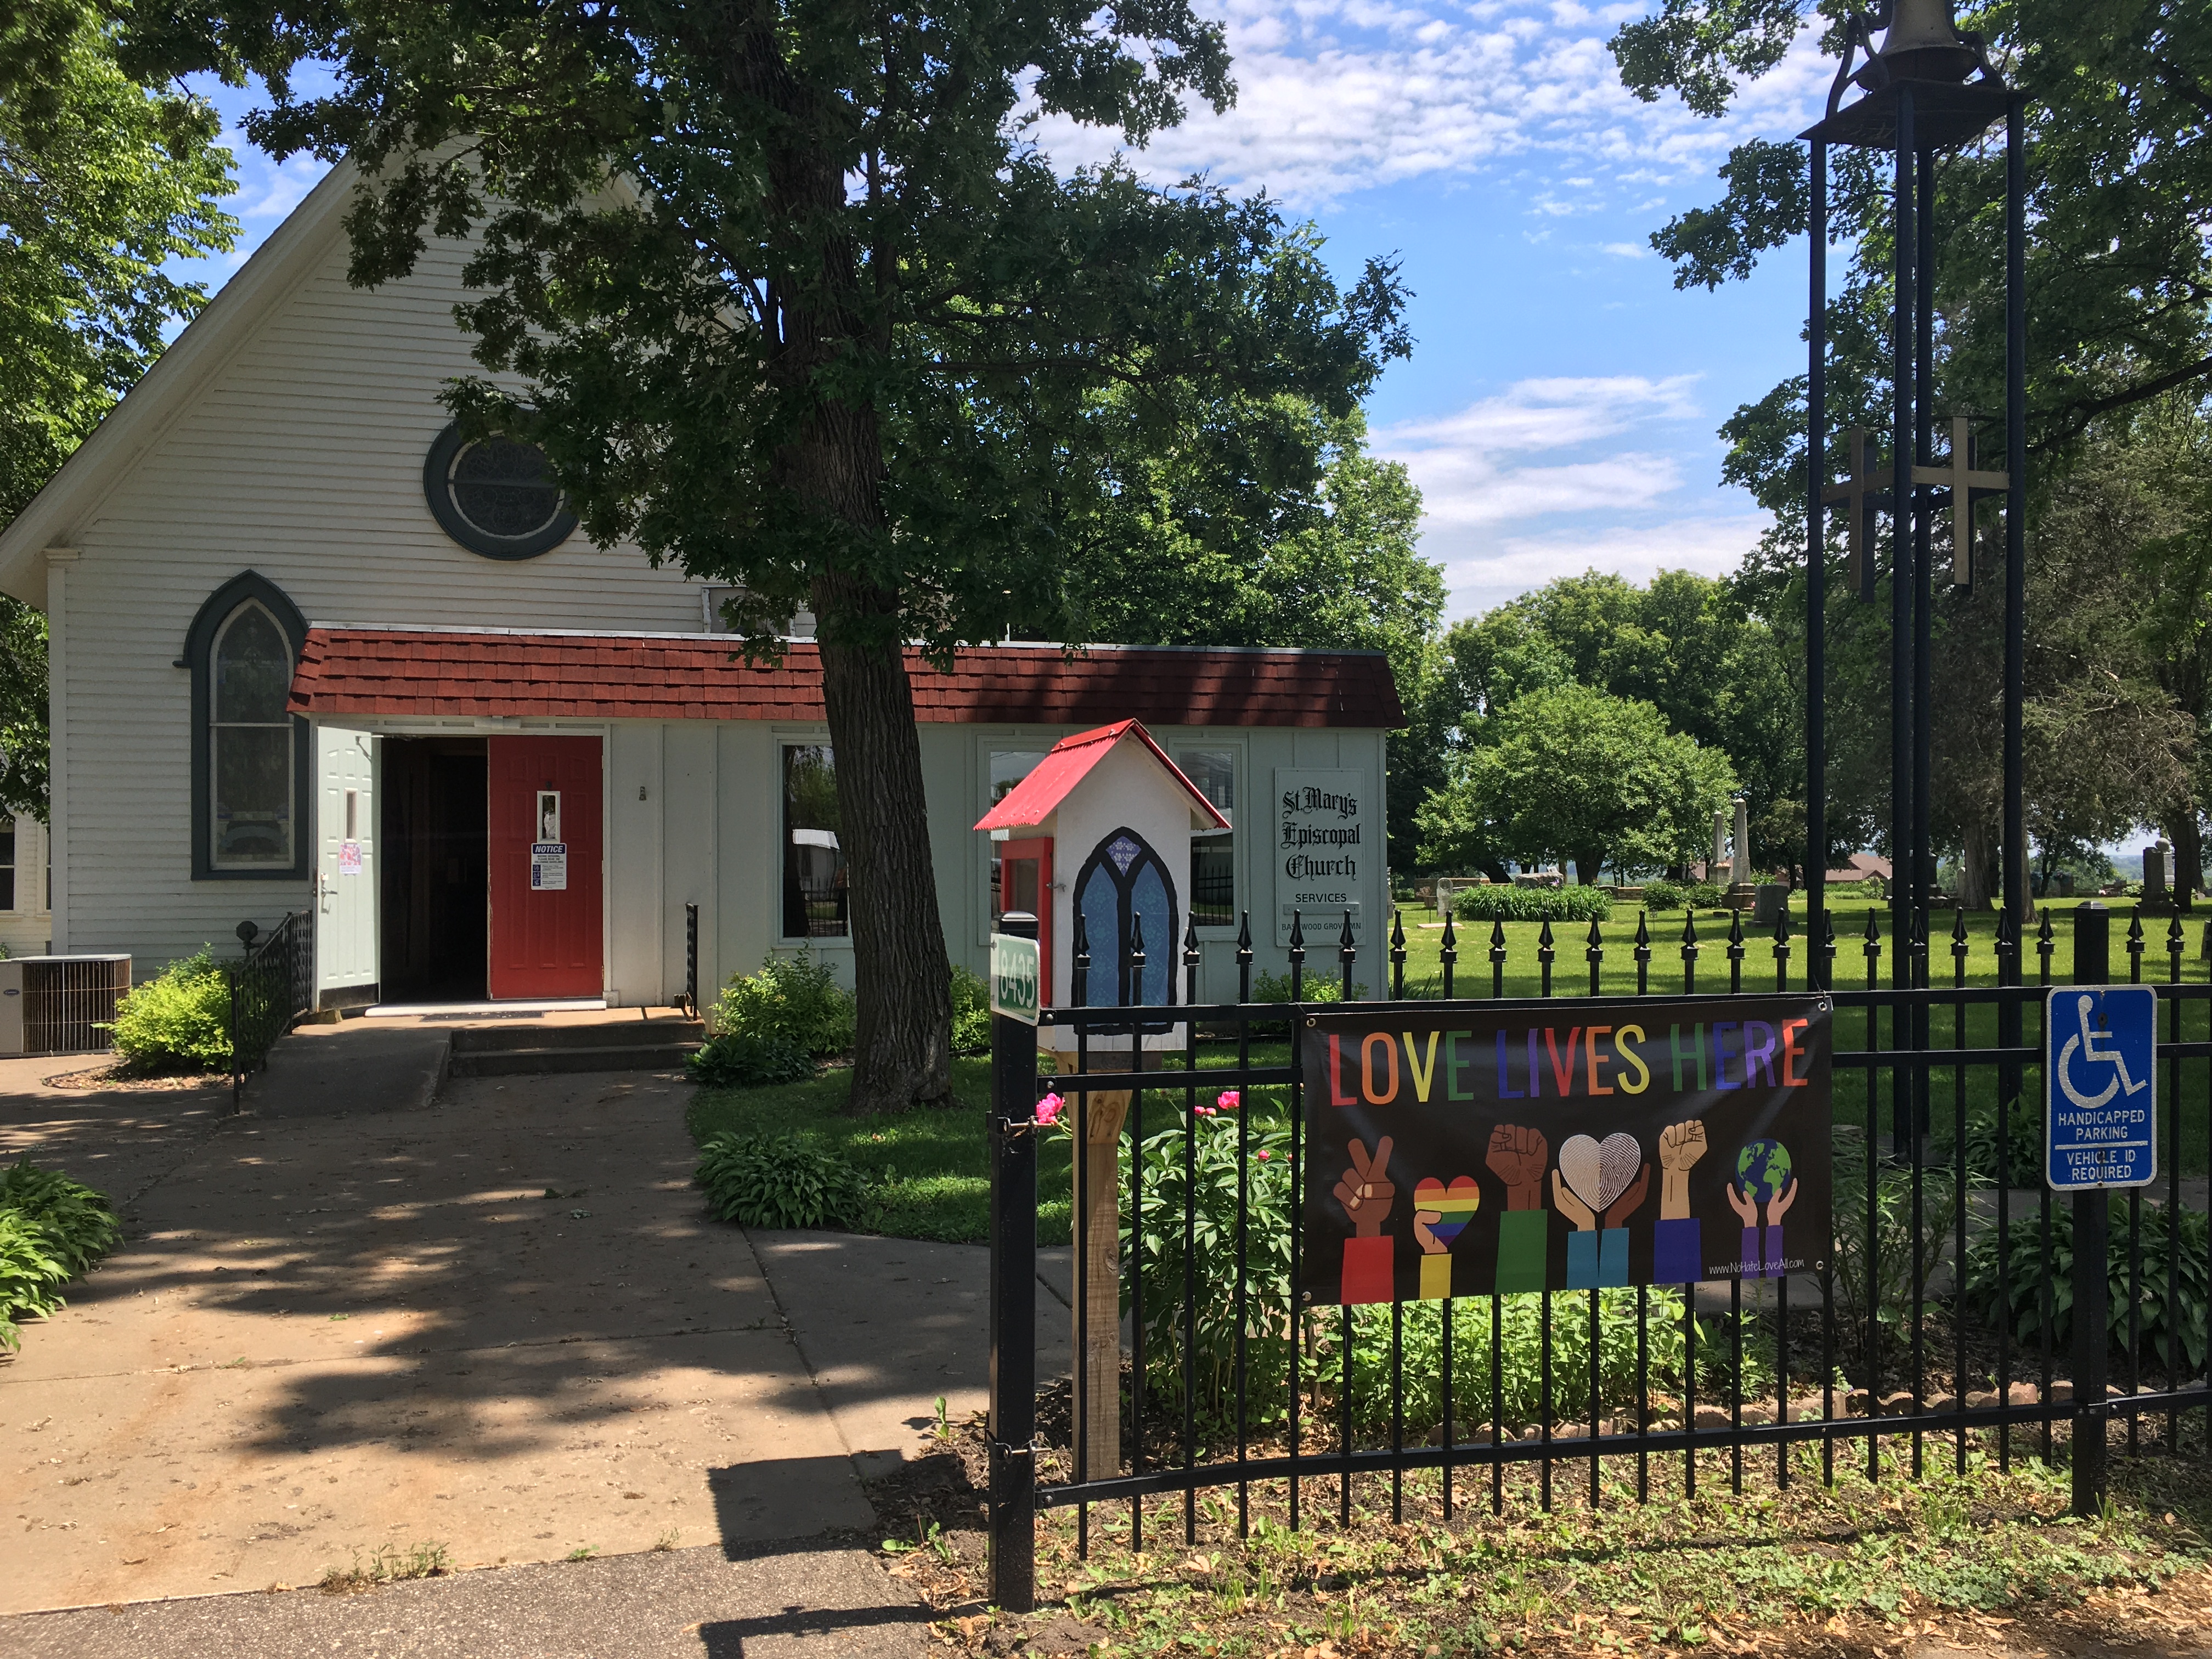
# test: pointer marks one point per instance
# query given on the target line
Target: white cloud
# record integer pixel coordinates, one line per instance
(1499, 569)
(1555, 475)
(1339, 95)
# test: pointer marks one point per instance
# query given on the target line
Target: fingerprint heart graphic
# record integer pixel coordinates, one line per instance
(1599, 1171)
(1452, 1205)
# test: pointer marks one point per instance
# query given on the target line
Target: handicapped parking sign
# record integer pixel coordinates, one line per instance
(2100, 1087)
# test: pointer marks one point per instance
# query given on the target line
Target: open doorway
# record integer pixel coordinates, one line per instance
(436, 872)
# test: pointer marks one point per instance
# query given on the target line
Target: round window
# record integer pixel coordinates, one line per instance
(495, 497)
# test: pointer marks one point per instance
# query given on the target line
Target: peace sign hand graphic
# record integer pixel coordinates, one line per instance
(1365, 1190)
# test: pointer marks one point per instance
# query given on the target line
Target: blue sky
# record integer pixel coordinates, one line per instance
(1561, 405)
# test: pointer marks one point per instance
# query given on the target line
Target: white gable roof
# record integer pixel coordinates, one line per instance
(72, 496)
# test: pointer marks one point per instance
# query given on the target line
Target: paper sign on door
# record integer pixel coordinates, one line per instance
(549, 866)
(349, 858)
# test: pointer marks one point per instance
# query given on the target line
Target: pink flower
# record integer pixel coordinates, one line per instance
(1263, 1155)
(1049, 1111)
(1228, 1100)
(1203, 1111)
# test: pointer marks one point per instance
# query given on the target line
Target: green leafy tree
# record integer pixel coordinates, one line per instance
(2119, 272)
(2119, 177)
(1687, 645)
(1331, 559)
(794, 303)
(103, 180)
(1574, 773)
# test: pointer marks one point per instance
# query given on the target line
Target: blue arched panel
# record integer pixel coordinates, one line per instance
(1126, 892)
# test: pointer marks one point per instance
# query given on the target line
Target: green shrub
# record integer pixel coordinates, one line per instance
(1661, 896)
(972, 1013)
(1706, 895)
(2019, 1297)
(742, 1060)
(794, 998)
(178, 1020)
(79, 1225)
(780, 1181)
(1317, 986)
(51, 1228)
(1267, 1175)
(2023, 1146)
(1501, 903)
(1897, 1272)
(30, 1277)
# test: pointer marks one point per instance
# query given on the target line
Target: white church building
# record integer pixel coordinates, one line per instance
(309, 650)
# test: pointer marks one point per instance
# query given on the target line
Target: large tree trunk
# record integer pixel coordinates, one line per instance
(1978, 875)
(834, 463)
(2186, 832)
(902, 1051)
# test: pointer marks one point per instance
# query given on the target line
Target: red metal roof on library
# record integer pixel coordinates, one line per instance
(1053, 779)
(391, 670)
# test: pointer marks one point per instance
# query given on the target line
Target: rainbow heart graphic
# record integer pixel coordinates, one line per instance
(1452, 1205)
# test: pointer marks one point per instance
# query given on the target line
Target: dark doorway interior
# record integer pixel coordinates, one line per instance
(436, 878)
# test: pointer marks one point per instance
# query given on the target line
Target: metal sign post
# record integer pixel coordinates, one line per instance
(2099, 1134)
(1012, 1540)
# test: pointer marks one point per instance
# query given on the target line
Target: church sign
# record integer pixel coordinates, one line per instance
(1328, 840)
(1648, 1142)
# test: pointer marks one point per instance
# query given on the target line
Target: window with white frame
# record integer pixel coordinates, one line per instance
(816, 890)
(1212, 852)
(11, 842)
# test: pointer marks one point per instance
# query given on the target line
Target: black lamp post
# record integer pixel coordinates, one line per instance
(1926, 89)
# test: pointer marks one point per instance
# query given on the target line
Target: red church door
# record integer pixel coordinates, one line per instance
(547, 938)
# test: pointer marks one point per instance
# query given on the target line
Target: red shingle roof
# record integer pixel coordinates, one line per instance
(380, 670)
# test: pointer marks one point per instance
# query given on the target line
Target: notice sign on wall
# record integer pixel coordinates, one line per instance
(549, 866)
(1328, 840)
(1649, 1143)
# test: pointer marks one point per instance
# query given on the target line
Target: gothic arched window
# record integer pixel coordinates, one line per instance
(1123, 880)
(249, 762)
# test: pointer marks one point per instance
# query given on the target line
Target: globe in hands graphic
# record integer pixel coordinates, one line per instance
(1762, 1169)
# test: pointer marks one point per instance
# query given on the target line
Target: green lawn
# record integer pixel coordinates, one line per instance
(932, 1168)
(1571, 965)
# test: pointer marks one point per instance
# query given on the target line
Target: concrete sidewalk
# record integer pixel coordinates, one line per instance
(499, 1322)
(787, 1602)
(888, 1325)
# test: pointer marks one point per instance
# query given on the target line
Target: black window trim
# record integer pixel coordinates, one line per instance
(437, 492)
(248, 586)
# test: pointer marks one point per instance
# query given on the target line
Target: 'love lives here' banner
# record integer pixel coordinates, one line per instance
(1650, 1143)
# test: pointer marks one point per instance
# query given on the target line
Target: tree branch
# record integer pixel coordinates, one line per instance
(2083, 410)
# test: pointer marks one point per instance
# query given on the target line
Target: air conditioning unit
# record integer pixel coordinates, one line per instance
(60, 1005)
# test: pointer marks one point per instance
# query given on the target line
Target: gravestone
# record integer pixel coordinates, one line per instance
(1715, 864)
(1774, 898)
(2154, 895)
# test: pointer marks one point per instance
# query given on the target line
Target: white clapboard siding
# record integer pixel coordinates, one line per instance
(300, 456)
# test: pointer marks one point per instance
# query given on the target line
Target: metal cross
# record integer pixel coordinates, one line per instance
(1967, 485)
(1862, 496)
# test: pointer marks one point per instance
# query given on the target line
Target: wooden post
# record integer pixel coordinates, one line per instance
(1095, 1173)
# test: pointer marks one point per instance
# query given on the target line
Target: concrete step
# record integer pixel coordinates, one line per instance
(526, 1033)
(603, 1057)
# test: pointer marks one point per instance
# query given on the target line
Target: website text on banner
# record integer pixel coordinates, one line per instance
(1650, 1143)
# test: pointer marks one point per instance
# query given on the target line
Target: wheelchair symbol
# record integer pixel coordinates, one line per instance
(2087, 1042)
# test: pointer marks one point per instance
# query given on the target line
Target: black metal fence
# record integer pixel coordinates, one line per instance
(271, 987)
(1958, 1306)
